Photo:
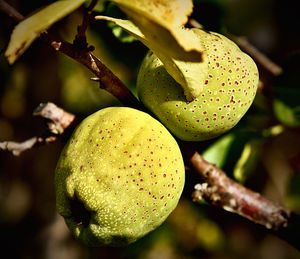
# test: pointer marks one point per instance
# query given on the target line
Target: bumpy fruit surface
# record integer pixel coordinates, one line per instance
(228, 91)
(119, 176)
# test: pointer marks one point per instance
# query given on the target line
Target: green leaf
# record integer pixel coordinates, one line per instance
(287, 115)
(99, 7)
(228, 149)
(121, 34)
(113, 10)
(217, 152)
(183, 66)
(158, 25)
(287, 93)
(30, 28)
(247, 161)
(293, 193)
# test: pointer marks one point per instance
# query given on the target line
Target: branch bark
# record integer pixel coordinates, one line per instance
(221, 191)
(105, 76)
(58, 121)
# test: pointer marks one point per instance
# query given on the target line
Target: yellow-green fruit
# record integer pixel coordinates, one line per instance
(119, 176)
(228, 90)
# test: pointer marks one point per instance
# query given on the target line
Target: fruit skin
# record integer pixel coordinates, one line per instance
(228, 91)
(119, 176)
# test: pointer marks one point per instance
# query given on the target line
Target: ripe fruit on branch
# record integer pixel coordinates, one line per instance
(119, 177)
(229, 88)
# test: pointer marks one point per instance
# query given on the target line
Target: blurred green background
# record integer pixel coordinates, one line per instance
(262, 152)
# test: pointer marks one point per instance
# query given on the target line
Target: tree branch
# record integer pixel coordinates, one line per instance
(10, 11)
(19, 147)
(80, 40)
(58, 121)
(221, 191)
(106, 77)
(260, 59)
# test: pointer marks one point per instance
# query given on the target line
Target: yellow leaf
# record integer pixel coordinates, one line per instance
(167, 12)
(30, 28)
(184, 66)
(162, 20)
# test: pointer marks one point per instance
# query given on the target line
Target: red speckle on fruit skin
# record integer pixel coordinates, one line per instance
(226, 82)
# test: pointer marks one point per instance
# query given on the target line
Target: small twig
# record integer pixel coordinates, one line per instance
(261, 59)
(80, 41)
(17, 148)
(10, 11)
(108, 80)
(58, 122)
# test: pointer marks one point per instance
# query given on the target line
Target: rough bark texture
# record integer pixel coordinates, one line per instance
(220, 190)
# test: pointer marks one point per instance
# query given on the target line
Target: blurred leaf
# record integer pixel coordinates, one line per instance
(287, 115)
(159, 243)
(210, 235)
(13, 101)
(114, 11)
(194, 230)
(247, 161)
(30, 28)
(121, 34)
(218, 151)
(159, 28)
(79, 94)
(228, 149)
(99, 7)
(293, 196)
(273, 131)
(287, 93)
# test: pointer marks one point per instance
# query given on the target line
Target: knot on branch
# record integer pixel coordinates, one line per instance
(58, 118)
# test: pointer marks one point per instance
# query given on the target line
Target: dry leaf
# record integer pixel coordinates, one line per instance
(30, 28)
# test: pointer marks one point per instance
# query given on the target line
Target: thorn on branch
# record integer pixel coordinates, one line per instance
(96, 79)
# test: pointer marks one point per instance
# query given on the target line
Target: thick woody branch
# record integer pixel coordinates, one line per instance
(221, 191)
